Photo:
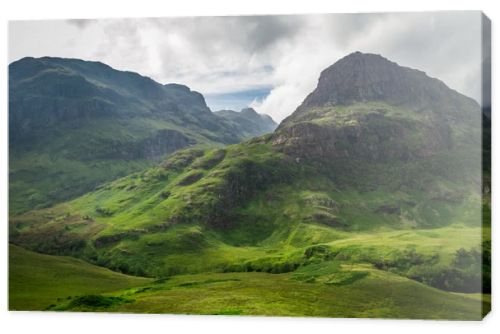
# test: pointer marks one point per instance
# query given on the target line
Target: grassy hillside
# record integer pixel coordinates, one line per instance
(326, 289)
(355, 291)
(251, 207)
(248, 207)
(37, 281)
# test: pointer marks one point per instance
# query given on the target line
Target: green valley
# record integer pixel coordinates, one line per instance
(370, 200)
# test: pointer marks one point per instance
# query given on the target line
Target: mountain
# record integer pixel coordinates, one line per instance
(248, 122)
(361, 77)
(367, 106)
(378, 171)
(74, 124)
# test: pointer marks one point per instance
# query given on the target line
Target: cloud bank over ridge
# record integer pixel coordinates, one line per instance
(268, 62)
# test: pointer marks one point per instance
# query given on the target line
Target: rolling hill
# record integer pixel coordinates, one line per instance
(32, 277)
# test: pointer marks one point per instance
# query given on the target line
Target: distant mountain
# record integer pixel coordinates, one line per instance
(248, 122)
(74, 124)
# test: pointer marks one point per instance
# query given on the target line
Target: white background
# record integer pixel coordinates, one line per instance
(38, 322)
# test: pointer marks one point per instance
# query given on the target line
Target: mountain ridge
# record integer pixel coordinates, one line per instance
(248, 122)
(74, 124)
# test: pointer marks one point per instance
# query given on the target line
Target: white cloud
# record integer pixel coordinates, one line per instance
(217, 55)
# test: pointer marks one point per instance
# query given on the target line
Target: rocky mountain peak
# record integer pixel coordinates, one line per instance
(363, 77)
(369, 107)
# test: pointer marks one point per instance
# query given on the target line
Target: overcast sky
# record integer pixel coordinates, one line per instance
(268, 62)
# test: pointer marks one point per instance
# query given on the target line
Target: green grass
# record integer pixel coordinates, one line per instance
(444, 241)
(37, 281)
(375, 294)
(187, 216)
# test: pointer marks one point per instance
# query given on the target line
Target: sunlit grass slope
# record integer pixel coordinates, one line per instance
(336, 291)
(248, 207)
(37, 281)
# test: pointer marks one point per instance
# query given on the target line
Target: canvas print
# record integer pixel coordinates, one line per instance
(327, 165)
